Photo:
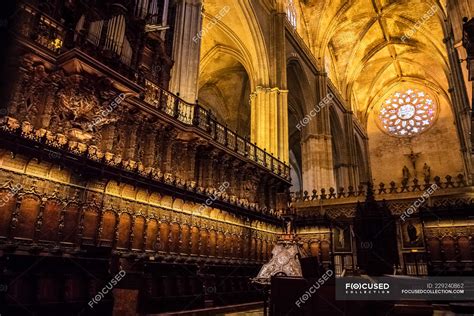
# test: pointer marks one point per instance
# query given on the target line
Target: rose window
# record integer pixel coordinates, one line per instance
(407, 113)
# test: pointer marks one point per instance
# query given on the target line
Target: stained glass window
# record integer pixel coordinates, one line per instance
(407, 113)
(291, 13)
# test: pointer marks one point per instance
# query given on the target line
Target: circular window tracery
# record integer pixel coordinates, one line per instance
(407, 113)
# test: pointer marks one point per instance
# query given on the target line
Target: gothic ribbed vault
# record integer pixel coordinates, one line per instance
(371, 46)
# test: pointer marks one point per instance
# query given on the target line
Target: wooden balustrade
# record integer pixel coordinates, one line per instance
(195, 115)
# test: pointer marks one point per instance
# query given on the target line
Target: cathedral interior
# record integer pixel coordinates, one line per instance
(134, 179)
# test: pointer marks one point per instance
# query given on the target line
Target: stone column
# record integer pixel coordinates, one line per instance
(186, 49)
(280, 78)
(269, 101)
(283, 141)
(460, 102)
(352, 170)
(468, 43)
(367, 162)
(317, 162)
(316, 147)
(269, 120)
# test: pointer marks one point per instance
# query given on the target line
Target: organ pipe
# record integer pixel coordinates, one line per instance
(114, 28)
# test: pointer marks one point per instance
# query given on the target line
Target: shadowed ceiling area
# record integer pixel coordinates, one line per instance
(371, 46)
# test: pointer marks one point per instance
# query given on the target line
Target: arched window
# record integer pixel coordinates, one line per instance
(407, 113)
(291, 13)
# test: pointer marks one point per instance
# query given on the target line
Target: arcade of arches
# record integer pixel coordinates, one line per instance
(167, 138)
(362, 51)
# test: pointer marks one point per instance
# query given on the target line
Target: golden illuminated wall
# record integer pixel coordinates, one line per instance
(371, 48)
(438, 146)
(237, 79)
(366, 48)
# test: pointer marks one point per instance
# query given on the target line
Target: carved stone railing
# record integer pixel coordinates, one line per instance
(381, 189)
(196, 115)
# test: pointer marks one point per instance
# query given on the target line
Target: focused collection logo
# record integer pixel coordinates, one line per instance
(367, 288)
(396, 288)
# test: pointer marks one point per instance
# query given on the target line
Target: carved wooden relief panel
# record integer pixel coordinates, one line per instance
(195, 238)
(434, 249)
(221, 244)
(314, 249)
(212, 243)
(138, 233)
(448, 248)
(70, 222)
(258, 255)
(204, 243)
(185, 239)
(164, 237)
(28, 215)
(125, 225)
(253, 248)
(7, 207)
(152, 235)
(51, 218)
(54, 219)
(90, 223)
(108, 227)
(175, 237)
(325, 251)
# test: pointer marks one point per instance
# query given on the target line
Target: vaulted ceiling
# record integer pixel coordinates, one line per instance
(371, 46)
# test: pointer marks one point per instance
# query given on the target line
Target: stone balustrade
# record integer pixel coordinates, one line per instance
(382, 189)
